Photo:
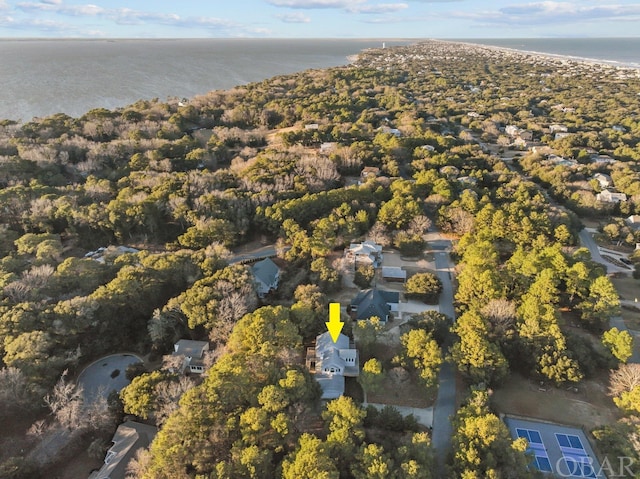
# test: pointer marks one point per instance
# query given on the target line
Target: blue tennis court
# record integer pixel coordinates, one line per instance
(556, 448)
(575, 459)
(536, 448)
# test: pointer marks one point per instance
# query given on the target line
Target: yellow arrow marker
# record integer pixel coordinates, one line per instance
(334, 325)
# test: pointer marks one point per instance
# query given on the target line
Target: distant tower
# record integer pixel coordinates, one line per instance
(384, 45)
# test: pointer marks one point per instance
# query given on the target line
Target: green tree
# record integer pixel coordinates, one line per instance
(601, 304)
(371, 377)
(478, 359)
(366, 333)
(424, 286)
(620, 343)
(140, 397)
(421, 352)
(372, 462)
(363, 275)
(311, 460)
(482, 445)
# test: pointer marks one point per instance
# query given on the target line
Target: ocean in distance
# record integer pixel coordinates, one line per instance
(43, 77)
(623, 52)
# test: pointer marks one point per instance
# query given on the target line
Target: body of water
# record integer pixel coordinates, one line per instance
(43, 77)
(615, 51)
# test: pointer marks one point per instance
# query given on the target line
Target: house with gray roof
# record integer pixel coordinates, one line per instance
(331, 362)
(128, 439)
(267, 276)
(367, 252)
(375, 302)
(193, 354)
(608, 196)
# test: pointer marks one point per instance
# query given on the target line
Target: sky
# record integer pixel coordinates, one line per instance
(319, 18)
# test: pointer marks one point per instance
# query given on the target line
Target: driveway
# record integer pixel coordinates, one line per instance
(106, 375)
(445, 406)
(587, 241)
(411, 307)
(424, 416)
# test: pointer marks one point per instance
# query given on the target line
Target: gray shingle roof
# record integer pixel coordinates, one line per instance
(374, 302)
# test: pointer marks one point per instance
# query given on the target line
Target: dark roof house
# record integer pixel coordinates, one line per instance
(375, 302)
(129, 437)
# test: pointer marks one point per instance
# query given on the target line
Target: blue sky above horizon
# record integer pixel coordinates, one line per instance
(319, 18)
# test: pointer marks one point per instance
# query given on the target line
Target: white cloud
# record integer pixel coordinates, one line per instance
(379, 8)
(548, 12)
(128, 16)
(316, 3)
(295, 17)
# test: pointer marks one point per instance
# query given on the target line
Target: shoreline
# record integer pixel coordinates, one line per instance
(553, 56)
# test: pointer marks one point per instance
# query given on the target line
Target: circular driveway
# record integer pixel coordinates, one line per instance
(106, 375)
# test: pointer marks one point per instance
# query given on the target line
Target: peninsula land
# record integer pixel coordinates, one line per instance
(166, 269)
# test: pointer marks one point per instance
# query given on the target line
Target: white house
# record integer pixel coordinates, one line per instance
(608, 196)
(604, 180)
(367, 252)
(128, 439)
(331, 362)
(267, 276)
(193, 354)
(558, 128)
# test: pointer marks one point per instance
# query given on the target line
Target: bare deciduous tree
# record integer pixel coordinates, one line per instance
(379, 234)
(624, 379)
(419, 225)
(65, 402)
(139, 464)
(501, 313)
(168, 395)
(14, 390)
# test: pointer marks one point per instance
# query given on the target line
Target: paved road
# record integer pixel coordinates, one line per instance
(445, 406)
(106, 375)
(587, 241)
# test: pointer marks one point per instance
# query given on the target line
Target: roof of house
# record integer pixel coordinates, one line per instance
(365, 248)
(332, 385)
(393, 272)
(328, 355)
(633, 219)
(325, 343)
(129, 437)
(265, 271)
(192, 349)
(374, 302)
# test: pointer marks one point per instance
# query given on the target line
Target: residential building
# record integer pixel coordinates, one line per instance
(604, 180)
(367, 252)
(267, 276)
(331, 362)
(633, 221)
(558, 128)
(193, 354)
(369, 172)
(128, 439)
(375, 302)
(394, 274)
(608, 196)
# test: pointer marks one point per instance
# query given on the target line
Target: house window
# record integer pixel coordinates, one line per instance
(110, 455)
